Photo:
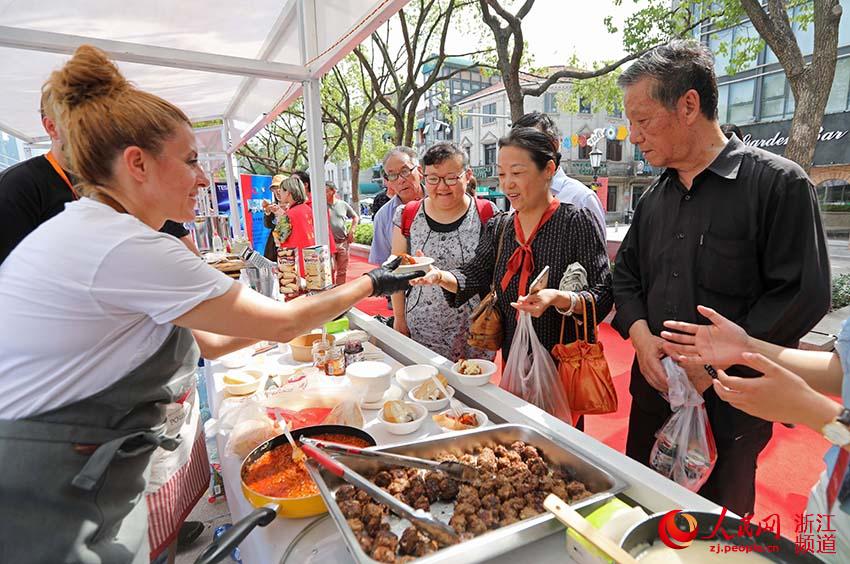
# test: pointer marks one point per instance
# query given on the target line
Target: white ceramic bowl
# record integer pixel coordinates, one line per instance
(405, 428)
(480, 416)
(422, 263)
(247, 388)
(237, 359)
(373, 378)
(432, 405)
(487, 370)
(411, 376)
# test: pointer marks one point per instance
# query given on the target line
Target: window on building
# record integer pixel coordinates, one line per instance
(727, 44)
(719, 44)
(723, 103)
(468, 150)
(773, 96)
(584, 106)
(488, 109)
(638, 154)
(466, 122)
(612, 198)
(838, 96)
(805, 33)
(833, 192)
(584, 152)
(741, 101)
(844, 24)
(637, 192)
(613, 150)
(490, 154)
(550, 105)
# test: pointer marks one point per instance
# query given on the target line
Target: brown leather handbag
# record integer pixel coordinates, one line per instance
(583, 369)
(485, 328)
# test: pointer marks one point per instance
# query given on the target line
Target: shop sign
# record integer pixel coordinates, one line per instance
(833, 138)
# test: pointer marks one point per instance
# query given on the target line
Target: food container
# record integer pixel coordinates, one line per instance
(302, 346)
(354, 352)
(489, 545)
(318, 267)
(335, 361)
(432, 405)
(373, 378)
(287, 266)
(405, 428)
(487, 370)
(320, 352)
(411, 376)
(242, 382)
(480, 416)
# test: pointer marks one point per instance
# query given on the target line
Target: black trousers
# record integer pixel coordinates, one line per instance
(732, 483)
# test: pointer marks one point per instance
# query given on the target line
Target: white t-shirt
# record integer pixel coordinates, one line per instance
(84, 299)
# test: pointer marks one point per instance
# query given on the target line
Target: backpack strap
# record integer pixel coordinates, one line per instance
(485, 210)
(408, 213)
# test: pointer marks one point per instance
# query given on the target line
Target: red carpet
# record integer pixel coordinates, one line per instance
(788, 467)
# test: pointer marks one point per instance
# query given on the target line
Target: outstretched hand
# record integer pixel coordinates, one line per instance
(720, 344)
(386, 282)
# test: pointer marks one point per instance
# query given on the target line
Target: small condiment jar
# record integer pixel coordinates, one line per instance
(320, 354)
(335, 365)
(353, 352)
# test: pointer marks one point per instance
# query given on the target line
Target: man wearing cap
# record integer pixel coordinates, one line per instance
(339, 212)
(273, 211)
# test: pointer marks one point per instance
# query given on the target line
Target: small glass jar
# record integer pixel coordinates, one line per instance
(353, 352)
(335, 365)
(320, 354)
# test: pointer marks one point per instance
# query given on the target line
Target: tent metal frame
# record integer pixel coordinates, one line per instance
(305, 80)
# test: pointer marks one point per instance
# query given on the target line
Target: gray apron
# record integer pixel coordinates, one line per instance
(72, 480)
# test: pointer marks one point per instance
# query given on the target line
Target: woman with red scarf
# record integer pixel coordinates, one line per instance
(540, 232)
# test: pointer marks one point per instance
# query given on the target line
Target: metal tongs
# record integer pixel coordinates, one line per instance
(436, 529)
(456, 470)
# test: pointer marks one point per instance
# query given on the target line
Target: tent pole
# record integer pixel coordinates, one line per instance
(235, 219)
(313, 121)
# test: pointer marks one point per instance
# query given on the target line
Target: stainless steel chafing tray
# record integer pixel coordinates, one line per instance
(556, 452)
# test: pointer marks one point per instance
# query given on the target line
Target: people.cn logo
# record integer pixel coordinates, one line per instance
(672, 535)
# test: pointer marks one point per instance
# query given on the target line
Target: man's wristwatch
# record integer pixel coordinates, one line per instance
(837, 431)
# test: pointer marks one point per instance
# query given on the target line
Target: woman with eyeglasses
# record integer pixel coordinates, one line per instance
(540, 232)
(445, 226)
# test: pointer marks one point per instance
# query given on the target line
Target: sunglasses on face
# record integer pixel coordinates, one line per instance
(403, 173)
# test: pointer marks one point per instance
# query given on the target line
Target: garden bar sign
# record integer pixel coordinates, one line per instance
(833, 139)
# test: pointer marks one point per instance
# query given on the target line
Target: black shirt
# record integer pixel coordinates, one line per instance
(746, 240)
(571, 235)
(378, 201)
(173, 228)
(31, 192)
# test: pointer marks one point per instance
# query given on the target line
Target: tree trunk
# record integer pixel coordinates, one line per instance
(355, 183)
(410, 127)
(808, 116)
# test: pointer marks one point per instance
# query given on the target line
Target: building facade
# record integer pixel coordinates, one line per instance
(623, 168)
(758, 99)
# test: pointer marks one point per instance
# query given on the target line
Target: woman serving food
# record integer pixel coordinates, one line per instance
(122, 313)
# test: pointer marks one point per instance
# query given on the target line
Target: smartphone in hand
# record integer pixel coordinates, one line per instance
(541, 281)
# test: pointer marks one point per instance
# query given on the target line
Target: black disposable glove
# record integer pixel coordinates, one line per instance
(385, 282)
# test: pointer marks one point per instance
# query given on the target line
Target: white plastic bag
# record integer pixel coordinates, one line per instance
(247, 426)
(684, 448)
(531, 374)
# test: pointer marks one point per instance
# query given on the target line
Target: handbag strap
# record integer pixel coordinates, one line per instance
(501, 228)
(585, 321)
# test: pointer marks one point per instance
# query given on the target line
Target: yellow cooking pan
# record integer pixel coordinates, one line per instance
(270, 507)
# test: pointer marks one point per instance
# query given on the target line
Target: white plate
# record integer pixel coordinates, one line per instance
(422, 263)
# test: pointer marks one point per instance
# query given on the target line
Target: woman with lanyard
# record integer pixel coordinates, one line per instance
(558, 235)
(102, 319)
(795, 387)
(33, 191)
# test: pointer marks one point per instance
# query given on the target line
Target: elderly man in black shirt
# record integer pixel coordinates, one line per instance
(727, 226)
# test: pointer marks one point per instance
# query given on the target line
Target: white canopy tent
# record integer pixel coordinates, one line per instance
(241, 62)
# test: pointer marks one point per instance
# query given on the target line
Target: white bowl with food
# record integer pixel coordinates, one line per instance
(432, 399)
(410, 263)
(474, 372)
(371, 377)
(402, 417)
(469, 419)
(411, 376)
(242, 382)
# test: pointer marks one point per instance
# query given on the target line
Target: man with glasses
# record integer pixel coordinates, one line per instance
(401, 174)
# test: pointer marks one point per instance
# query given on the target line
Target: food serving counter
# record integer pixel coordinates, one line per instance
(317, 539)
